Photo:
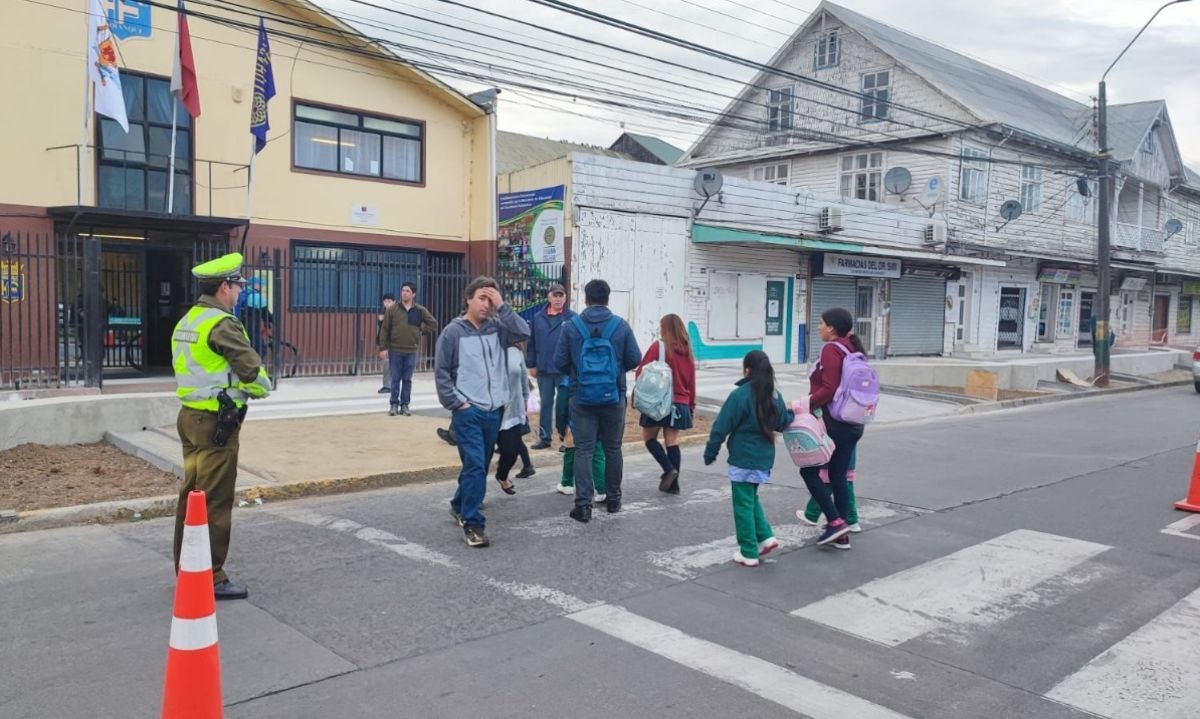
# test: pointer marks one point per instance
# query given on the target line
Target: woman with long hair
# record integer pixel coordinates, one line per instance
(837, 331)
(749, 419)
(683, 376)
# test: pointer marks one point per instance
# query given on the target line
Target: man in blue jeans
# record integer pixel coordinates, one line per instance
(399, 342)
(606, 421)
(472, 382)
(545, 329)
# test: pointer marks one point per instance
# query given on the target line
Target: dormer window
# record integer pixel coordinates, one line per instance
(828, 50)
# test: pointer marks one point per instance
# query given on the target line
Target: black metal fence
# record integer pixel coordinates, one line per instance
(76, 309)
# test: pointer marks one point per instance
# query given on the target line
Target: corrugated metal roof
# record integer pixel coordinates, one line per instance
(661, 149)
(517, 152)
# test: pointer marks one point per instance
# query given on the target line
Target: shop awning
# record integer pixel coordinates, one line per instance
(711, 234)
(85, 216)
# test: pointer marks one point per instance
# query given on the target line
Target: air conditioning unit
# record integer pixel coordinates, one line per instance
(934, 234)
(830, 219)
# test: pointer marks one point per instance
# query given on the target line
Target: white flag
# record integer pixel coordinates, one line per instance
(102, 66)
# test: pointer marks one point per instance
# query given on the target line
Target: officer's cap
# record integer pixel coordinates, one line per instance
(227, 268)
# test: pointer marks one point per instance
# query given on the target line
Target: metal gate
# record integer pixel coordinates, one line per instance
(918, 319)
(827, 292)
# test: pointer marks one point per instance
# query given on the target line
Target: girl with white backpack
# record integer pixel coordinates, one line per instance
(665, 394)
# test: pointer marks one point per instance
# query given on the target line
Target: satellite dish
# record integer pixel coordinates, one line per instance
(1011, 210)
(708, 182)
(932, 192)
(1174, 227)
(897, 180)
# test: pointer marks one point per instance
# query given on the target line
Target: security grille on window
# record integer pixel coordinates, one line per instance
(828, 51)
(875, 90)
(780, 109)
(353, 144)
(862, 175)
(973, 181)
(1031, 188)
(1080, 208)
(777, 174)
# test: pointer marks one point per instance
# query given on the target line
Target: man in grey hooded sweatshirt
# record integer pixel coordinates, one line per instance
(472, 382)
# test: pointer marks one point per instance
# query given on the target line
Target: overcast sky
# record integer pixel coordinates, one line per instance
(1058, 44)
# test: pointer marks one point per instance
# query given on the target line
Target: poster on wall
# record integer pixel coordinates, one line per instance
(129, 18)
(531, 225)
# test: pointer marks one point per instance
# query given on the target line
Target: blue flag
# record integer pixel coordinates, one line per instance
(264, 90)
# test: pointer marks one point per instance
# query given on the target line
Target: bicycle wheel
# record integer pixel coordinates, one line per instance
(133, 352)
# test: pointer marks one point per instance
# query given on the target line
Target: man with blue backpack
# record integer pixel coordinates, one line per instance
(595, 350)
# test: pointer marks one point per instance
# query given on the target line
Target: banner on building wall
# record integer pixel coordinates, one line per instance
(531, 225)
(1058, 276)
(861, 266)
(129, 18)
(1191, 287)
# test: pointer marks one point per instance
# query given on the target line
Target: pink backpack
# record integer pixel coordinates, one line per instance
(857, 394)
(806, 440)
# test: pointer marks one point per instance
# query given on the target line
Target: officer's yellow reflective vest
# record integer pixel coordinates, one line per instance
(201, 373)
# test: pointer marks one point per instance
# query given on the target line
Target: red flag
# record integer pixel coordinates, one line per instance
(183, 75)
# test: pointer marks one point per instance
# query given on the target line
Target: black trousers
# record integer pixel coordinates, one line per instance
(845, 438)
(511, 445)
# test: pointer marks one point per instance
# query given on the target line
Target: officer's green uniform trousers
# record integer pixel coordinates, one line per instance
(212, 470)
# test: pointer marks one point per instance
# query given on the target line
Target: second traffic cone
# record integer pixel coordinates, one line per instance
(1191, 503)
(192, 689)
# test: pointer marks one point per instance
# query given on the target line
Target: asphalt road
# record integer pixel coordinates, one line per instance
(1014, 564)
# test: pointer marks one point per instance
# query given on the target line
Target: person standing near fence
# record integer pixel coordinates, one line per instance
(216, 372)
(388, 300)
(399, 342)
(545, 329)
(469, 370)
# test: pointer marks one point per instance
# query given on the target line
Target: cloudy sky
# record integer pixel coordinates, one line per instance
(567, 88)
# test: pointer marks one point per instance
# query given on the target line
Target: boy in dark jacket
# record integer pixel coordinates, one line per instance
(399, 341)
(545, 331)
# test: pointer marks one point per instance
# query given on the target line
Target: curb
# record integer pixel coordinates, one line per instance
(141, 508)
(1065, 397)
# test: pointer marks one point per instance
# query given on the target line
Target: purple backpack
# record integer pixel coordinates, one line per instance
(857, 394)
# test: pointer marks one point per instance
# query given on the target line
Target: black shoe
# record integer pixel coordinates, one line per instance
(392, 411)
(674, 490)
(384, 390)
(581, 514)
(404, 410)
(457, 518)
(475, 537)
(612, 505)
(446, 436)
(226, 589)
(668, 480)
(526, 472)
(542, 444)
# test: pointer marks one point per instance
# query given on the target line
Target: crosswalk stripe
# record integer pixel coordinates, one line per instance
(1153, 672)
(757, 676)
(969, 587)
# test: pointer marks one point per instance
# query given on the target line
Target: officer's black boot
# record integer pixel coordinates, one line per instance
(404, 410)
(393, 410)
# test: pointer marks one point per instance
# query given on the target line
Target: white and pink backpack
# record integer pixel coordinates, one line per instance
(806, 439)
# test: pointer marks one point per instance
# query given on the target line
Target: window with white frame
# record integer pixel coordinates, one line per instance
(876, 90)
(972, 185)
(776, 173)
(1079, 208)
(1066, 312)
(781, 109)
(1192, 228)
(828, 50)
(1031, 188)
(861, 176)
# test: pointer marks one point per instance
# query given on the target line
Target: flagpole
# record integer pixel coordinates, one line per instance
(171, 164)
(250, 179)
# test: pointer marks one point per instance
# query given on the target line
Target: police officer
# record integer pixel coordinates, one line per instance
(214, 363)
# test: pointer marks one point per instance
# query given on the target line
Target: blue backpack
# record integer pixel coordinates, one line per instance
(597, 370)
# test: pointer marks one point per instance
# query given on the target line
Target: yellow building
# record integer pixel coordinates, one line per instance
(369, 160)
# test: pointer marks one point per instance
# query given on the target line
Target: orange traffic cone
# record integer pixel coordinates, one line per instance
(193, 683)
(1191, 503)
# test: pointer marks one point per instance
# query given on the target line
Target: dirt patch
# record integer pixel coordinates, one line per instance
(633, 431)
(34, 476)
(1004, 393)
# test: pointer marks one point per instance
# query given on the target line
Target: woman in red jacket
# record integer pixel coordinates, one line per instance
(836, 328)
(683, 376)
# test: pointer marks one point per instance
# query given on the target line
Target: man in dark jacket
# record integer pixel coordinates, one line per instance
(545, 330)
(399, 341)
(605, 421)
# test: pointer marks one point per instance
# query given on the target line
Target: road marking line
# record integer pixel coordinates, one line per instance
(757, 676)
(1183, 527)
(1153, 672)
(976, 586)
(562, 525)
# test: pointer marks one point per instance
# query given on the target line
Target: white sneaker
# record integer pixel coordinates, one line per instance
(856, 528)
(744, 561)
(767, 546)
(564, 489)
(600, 497)
(806, 520)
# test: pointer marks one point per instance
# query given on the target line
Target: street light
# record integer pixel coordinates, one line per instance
(1100, 347)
